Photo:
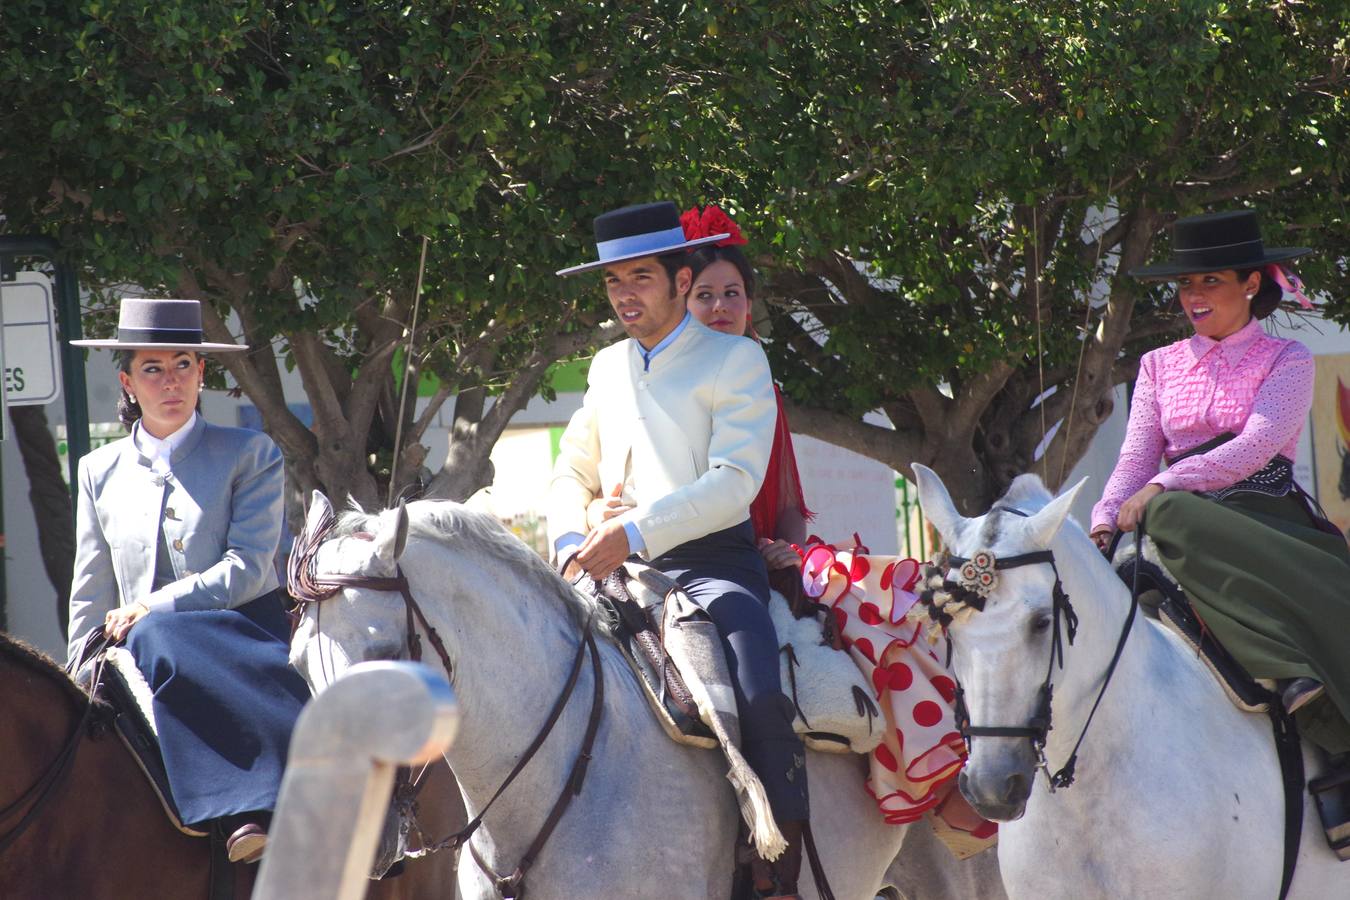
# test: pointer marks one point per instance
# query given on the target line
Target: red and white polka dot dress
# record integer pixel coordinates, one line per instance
(871, 598)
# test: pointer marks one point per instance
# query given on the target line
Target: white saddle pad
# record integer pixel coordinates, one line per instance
(120, 658)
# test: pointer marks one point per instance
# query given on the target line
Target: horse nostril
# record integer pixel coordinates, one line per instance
(1015, 788)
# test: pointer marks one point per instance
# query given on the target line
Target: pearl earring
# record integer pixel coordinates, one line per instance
(131, 397)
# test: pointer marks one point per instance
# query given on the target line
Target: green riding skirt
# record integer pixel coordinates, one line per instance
(1272, 587)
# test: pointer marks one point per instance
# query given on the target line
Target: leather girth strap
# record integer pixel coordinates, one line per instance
(1290, 752)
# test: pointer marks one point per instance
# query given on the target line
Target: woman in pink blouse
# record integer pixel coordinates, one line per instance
(1264, 570)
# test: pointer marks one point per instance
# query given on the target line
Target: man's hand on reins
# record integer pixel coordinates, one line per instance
(604, 550)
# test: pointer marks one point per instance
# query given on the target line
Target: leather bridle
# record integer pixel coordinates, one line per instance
(308, 586)
(1064, 622)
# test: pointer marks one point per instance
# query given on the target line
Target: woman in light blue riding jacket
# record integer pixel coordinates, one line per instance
(178, 527)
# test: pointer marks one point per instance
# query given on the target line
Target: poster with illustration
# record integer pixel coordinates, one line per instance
(1331, 436)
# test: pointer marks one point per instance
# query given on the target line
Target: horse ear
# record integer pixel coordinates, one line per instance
(393, 535)
(1046, 523)
(937, 504)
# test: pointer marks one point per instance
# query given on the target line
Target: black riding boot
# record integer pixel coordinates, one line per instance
(778, 878)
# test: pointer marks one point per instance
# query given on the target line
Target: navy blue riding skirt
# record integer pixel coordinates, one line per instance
(724, 573)
(225, 702)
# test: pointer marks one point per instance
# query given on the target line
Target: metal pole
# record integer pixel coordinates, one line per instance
(72, 370)
(340, 775)
(68, 324)
(4, 432)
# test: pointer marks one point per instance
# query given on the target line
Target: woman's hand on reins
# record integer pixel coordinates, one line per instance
(778, 554)
(1132, 510)
(118, 622)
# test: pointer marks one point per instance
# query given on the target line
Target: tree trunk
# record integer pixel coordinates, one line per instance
(50, 498)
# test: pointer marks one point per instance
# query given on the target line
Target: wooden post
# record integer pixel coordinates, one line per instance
(340, 773)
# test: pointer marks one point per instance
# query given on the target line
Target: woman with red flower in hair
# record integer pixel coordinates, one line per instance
(721, 297)
(908, 778)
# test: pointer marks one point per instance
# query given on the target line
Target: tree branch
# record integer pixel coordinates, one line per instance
(896, 449)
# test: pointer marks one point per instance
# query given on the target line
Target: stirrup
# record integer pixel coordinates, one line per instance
(1331, 796)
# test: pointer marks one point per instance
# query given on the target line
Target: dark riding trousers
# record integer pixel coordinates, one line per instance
(225, 702)
(724, 573)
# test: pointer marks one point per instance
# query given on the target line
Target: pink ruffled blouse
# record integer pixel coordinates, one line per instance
(1256, 386)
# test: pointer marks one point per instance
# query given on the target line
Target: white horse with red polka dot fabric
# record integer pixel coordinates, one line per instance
(1176, 794)
(654, 819)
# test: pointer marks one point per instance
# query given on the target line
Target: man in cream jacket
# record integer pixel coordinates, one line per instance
(676, 426)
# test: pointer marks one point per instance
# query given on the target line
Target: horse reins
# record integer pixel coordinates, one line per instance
(1038, 727)
(308, 586)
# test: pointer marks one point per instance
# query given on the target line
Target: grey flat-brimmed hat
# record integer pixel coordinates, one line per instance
(633, 232)
(146, 323)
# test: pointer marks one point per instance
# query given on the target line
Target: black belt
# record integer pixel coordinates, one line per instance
(1275, 479)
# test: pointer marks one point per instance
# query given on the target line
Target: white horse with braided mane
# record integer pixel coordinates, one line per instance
(653, 819)
(1177, 793)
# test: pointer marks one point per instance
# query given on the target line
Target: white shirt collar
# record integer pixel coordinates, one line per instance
(160, 450)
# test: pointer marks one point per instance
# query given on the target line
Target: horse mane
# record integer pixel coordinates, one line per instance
(444, 521)
(27, 656)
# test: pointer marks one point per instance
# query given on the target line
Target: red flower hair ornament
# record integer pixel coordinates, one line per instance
(708, 222)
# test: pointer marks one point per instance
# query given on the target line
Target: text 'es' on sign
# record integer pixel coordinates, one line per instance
(32, 368)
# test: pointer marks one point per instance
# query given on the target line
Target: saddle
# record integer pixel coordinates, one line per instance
(109, 674)
(124, 688)
(1164, 597)
(834, 709)
(636, 622)
(688, 642)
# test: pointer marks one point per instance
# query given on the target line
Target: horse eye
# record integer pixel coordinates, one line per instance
(1041, 623)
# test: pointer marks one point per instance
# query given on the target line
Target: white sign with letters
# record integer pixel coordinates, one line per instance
(32, 364)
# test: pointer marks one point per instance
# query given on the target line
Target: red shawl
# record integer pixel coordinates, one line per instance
(782, 488)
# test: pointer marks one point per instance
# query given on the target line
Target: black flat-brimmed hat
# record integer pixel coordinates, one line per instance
(1215, 242)
(145, 323)
(633, 232)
